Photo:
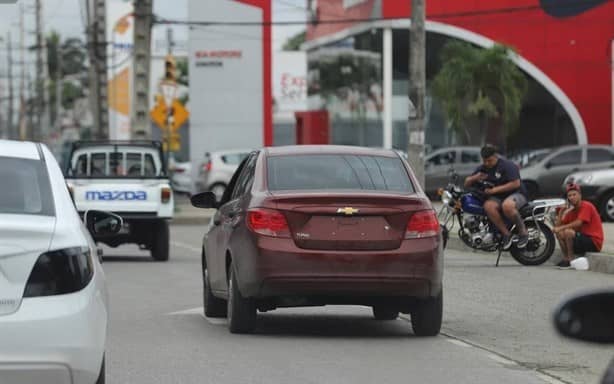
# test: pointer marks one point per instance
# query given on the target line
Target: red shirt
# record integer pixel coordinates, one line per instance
(591, 222)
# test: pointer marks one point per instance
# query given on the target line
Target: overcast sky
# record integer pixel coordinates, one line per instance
(66, 17)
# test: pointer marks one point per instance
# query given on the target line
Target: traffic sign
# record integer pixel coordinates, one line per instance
(169, 91)
(159, 114)
(180, 115)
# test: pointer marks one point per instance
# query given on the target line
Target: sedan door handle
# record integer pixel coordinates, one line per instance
(575, 169)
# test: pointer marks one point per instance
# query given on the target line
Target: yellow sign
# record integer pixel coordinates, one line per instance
(173, 143)
(180, 115)
(159, 114)
(347, 211)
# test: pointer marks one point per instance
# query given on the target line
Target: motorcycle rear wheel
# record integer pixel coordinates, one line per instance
(539, 249)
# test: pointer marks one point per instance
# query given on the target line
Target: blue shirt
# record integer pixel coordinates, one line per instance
(502, 173)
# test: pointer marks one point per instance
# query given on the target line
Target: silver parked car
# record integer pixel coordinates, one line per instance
(437, 164)
(598, 188)
(545, 177)
(217, 169)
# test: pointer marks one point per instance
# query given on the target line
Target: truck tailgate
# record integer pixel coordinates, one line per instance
(118, 195)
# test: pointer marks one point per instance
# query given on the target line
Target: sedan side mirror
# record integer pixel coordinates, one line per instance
(103, 223)
(587, 317)
(204, 200)
(548, 165)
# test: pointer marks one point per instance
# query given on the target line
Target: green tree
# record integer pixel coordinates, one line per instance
(71, 71)
(480, 85)
(294, 42)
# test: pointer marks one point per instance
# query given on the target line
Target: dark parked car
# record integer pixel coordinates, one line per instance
(438, 165)
(317, 225)
(545, 177)
(597, 187)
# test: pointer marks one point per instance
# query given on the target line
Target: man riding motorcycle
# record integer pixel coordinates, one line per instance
(507, 194)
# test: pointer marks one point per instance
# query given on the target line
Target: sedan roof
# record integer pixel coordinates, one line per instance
(328, 150)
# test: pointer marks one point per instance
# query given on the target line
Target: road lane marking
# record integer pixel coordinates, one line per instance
(186, 246)
(549, 379)
(500, 359)
(191, 311)
(199, 311)
(460, 343)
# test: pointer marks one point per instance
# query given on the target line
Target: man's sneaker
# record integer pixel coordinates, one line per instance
(506, 242)
(523, 240)
(564, 264)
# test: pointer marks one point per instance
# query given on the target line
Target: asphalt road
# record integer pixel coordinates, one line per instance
(497, 329)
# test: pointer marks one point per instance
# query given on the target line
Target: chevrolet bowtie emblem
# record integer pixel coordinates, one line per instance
(347, 211)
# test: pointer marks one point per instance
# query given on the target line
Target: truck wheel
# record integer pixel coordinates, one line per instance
(160, 242)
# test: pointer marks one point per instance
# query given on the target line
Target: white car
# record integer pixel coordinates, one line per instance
(181, 176)
(53, 296)
(217, 169)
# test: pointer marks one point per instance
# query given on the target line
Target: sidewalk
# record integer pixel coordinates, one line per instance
(599, 262)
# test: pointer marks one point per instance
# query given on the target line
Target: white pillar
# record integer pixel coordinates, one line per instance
(387, 96)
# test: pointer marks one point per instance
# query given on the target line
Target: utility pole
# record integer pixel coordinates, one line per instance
(39, 132)
(10, 132)
(97, 44)
(417, 88)
(58, 86)
(23, 128)
(141, 125)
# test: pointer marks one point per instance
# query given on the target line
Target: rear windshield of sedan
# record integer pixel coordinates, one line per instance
(337, 172)
(26, 187)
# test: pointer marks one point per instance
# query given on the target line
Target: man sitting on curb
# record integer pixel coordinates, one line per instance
(578, 227)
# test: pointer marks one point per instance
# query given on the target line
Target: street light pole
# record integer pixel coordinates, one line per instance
(417, 88)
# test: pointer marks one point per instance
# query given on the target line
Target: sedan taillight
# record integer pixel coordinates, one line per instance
(60, 272)
(422, 224)
(268, 222)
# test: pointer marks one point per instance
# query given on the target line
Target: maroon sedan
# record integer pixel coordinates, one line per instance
(317, 225)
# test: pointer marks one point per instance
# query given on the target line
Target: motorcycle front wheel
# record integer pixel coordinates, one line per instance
(540, 247)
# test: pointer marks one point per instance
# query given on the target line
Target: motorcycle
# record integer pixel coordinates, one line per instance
(477, 232)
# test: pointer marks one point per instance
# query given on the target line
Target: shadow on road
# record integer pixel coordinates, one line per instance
(330, 326)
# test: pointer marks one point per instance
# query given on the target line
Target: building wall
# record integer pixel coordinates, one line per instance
(230, 77)
(567, 48)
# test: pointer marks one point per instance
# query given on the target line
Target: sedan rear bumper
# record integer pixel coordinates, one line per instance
(54, 339)
(280, 268)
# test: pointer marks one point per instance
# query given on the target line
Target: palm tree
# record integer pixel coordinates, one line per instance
(483, 85)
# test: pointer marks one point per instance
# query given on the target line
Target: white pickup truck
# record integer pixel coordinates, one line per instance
(127, 178)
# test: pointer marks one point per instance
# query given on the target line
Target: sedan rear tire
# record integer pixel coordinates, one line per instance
(426, 317)
(241, 310)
